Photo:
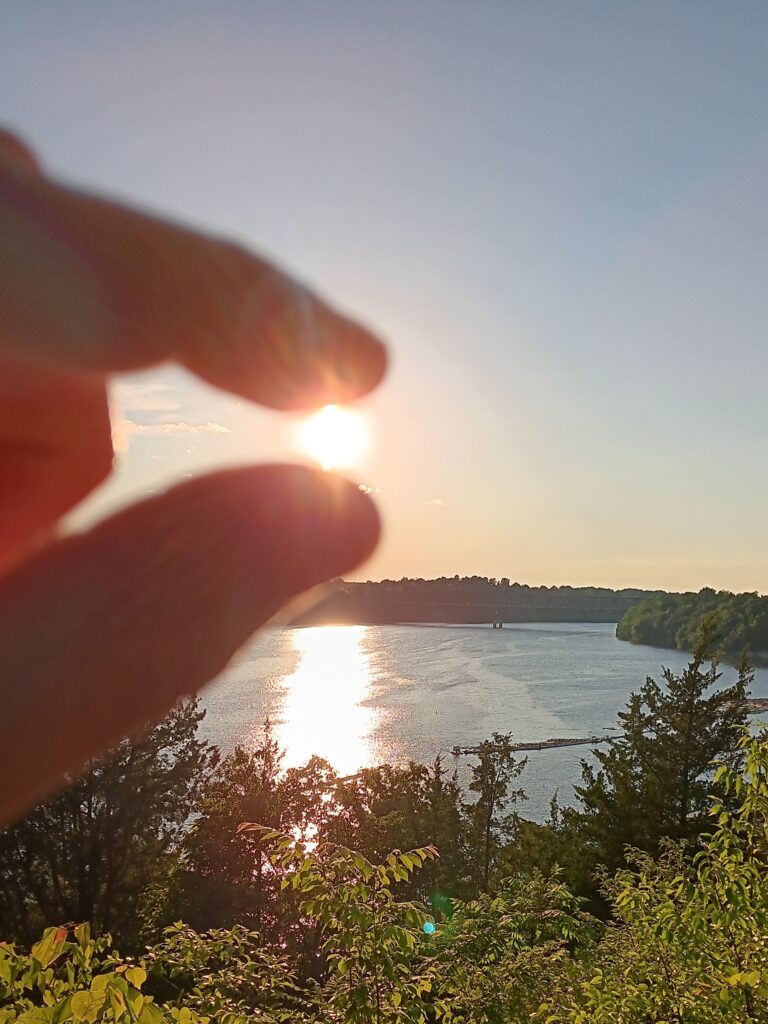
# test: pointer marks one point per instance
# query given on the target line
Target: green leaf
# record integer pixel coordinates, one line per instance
(86, 1005)
(37, 1015)
(62, 1011)
(117, 1002)
(136, 976)
(50, 946)
(151, 1014)
(83, 935)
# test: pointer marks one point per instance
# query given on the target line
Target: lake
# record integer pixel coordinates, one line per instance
(365, 695)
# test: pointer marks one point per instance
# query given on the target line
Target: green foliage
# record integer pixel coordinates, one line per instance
(225, 881)
(406, 806)
(368, 939)
(92, 851)
(223, 974)
(491, 824)
(374, 811)
(690, 942)
(687, 942)
(654, 781)
(67, 976)
(187, 978)
(738, 622)
(495, 959)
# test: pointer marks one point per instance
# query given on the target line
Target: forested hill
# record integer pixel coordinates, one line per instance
(739, 621)
(472, 599)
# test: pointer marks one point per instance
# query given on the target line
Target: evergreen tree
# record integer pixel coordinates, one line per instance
(655, 779)
(491, 824)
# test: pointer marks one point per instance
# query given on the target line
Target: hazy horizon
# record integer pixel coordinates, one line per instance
(554, 213)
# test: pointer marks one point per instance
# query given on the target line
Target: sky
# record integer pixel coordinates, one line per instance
(555, 213)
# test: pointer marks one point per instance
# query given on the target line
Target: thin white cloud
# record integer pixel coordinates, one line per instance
(176, 427)
(438, 501)
(123, 429)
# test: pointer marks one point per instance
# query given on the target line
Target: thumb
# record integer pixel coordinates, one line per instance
(102, 633)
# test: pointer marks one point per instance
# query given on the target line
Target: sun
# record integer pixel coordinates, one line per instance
(333, 437)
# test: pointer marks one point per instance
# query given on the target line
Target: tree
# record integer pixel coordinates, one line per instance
(227, 879)
(369, 940)
(686, 943)
(69, 977)
(740, 621)
(689, 939)
(91, 852)
(554, 848)
(227, 974)
(495, 959)
(224, 877)
(401, 807)
(491, 825)
(654, 780)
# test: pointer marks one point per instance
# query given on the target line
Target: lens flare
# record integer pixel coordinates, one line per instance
(333, 437)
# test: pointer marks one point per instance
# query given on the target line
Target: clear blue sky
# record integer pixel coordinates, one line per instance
(555, 212)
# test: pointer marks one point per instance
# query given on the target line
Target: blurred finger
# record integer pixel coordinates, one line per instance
(89, 284)
(152, 604)
(16, 154)
(55, 447)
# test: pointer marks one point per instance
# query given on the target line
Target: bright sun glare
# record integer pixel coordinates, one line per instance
(333, 437)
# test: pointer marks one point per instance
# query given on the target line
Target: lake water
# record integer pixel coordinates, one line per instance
(365, 695)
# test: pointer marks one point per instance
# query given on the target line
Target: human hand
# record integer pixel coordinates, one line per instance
(103, 632)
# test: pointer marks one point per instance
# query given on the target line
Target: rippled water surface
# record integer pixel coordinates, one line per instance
(363, 695)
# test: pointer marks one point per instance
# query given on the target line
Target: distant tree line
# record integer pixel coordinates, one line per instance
(469, 599)
(738, 623)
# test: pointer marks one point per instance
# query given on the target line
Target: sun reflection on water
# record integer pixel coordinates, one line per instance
(322, 712)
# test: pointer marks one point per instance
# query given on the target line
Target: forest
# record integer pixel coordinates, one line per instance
(171, 883)
(468, 599)
(738, 622)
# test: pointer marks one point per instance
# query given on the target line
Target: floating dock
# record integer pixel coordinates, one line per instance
(551, 744)
(754, 706)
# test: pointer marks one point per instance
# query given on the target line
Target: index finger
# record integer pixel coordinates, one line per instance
(90, 284)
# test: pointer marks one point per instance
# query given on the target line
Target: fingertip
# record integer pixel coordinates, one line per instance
(360, 363)
(348, 527)
(320, 524)
(280, 343)
(347, 367)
